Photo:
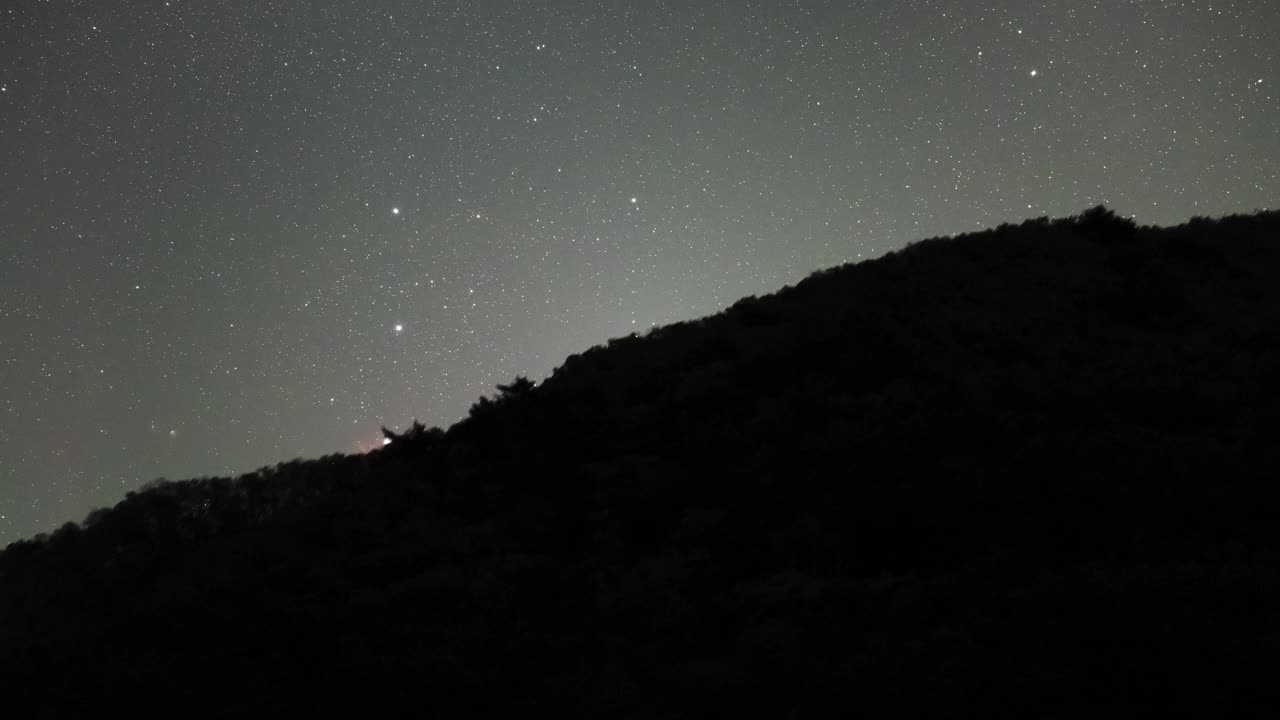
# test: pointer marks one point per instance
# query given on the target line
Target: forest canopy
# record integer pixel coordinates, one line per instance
(1022, 468)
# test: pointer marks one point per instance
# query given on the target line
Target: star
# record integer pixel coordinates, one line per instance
(399, 328)
(1035, 73)
(395, 211)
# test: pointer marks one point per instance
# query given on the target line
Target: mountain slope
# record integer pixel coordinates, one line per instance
(1031, 464)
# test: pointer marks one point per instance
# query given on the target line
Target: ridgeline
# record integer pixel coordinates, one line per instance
(1028, 471)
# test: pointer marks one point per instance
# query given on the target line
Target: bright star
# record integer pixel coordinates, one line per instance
(1035, 73)
(395, 211)
(399, 328)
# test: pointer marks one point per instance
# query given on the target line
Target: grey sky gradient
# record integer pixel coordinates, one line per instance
(214, 215)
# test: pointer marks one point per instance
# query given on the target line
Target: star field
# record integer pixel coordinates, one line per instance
(234, 233)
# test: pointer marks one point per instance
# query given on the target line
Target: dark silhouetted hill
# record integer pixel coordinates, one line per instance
(1029, 471)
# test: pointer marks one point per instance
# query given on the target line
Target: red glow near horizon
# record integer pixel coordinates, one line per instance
(364, 446)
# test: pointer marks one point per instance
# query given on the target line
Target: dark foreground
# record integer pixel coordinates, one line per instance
(1031, 471)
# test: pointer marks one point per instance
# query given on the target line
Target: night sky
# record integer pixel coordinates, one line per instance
(237, 232)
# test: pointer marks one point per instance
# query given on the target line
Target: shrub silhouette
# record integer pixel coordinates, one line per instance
(1024, 468)
(519, 388)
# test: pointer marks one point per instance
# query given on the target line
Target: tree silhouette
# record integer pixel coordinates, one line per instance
(518, 388)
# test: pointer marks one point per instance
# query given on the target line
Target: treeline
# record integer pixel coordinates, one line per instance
(1027, 470)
